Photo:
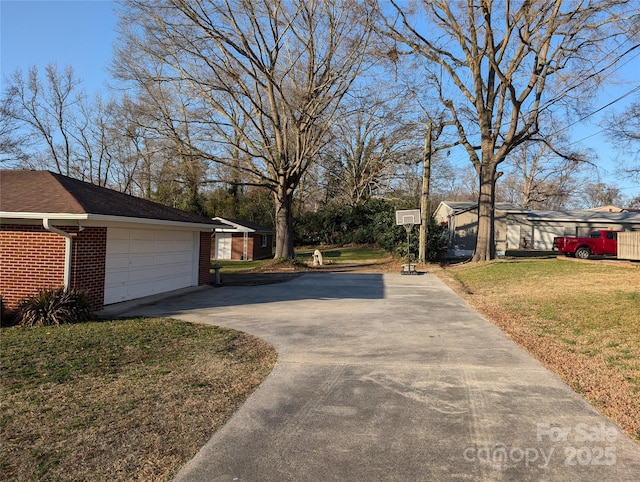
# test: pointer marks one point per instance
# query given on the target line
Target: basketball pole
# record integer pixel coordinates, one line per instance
(407, 218)
(408, 227)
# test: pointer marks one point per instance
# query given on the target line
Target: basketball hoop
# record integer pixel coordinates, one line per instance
(408, 218)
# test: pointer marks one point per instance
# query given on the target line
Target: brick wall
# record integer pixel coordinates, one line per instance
(89, 258)
(254, 248)
(32, 258)
(204, 259)
(237, 246)
(262, 252)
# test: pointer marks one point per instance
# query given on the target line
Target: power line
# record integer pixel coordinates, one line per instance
(585, 117)
(600, 109)
(606, 106)
(618, 58)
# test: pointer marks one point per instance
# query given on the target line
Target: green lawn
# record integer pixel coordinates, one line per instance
(119, 400)
(346, 254)
(580, 318)
(331, 255)
(238, 265)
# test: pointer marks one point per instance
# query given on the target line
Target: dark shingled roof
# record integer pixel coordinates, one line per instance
(47, 192)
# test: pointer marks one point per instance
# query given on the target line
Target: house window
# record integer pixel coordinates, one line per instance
(263, 241)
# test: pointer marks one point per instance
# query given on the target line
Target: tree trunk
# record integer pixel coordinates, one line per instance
(425, 207)
(485, 241)
(284, 225)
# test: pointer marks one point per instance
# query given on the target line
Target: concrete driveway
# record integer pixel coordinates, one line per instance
(390, 377)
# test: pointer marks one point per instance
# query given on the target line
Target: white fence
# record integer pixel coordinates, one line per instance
(629, 245)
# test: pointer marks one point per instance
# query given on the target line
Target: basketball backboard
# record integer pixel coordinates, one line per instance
(407, 216)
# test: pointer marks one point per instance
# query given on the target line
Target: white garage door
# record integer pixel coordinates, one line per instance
(143, 262)
(513, 236)
(223, 245)
(543, 236)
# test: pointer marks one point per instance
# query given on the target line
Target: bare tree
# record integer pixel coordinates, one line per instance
(498, 66)
(50, 123)
(263, 77)
(537, 178)
(370, 138)
(456, 183)
(599, 194)
(624, 132)
(12, 140)
(46, 112)
(174, 171)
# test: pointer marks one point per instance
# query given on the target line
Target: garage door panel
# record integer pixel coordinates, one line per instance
(141, 247)
(183, 244)
(168, 259)
(153, 274)
(165, 236)
(143, 262)
(118, 278)
(118, 293)
(162, 285)
(172, 259)
(183, 236)
(165, 247)
(138, 290)
(118, 246)
(119, 233)
(513, 236)
(142, 234)
(119, 262)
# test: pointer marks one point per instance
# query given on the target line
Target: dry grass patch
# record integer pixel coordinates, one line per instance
(121, 400)
(582, 320)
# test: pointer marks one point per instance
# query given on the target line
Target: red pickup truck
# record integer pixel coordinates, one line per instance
(600, 242)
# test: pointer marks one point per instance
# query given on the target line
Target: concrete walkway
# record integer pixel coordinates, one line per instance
(394, 378)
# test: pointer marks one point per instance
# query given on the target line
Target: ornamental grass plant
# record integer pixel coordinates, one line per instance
(56, 306)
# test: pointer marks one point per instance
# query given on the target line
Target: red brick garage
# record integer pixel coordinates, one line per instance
(114, 246)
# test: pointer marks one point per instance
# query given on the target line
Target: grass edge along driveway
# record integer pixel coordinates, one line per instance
(579, 319)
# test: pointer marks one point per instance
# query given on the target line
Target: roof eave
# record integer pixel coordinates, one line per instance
(157, 222)
(237, 226)
(232, 229)
(578, 219)
(53, 216)
(107, 218)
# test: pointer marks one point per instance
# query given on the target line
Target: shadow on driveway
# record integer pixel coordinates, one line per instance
(296, 287)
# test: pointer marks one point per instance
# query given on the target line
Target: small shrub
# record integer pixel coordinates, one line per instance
(7, 316)
(55, 307)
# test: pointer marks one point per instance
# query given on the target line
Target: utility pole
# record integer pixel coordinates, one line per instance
(424, 197)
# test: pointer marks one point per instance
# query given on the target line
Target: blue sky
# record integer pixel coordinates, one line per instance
(81, 34)
(76, 33)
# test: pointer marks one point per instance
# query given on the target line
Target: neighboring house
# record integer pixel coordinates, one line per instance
(543, 226)
(58, 231)
(518, 228)
(241, 240)
(462, 222)
(607, 209)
